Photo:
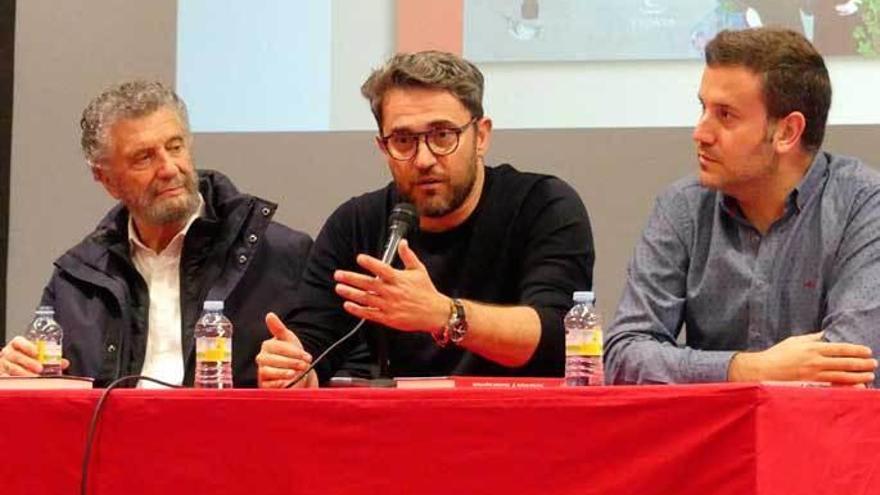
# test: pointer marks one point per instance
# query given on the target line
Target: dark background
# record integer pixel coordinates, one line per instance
(7, 58)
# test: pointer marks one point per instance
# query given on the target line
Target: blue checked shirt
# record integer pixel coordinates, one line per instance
(701, 264)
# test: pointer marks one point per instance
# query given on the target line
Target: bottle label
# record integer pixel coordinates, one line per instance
(214, 349)
(48, 353)
(590, 344)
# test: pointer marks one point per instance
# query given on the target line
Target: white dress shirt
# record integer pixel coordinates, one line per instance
(161, 271)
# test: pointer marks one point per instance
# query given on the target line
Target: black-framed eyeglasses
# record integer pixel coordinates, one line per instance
(441, 141)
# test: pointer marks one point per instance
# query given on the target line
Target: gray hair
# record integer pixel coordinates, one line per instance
(127, 100)
(427, 70)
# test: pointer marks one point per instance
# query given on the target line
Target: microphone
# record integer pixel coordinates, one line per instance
(403, 219)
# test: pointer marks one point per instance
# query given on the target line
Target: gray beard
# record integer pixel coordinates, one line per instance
(172, 212)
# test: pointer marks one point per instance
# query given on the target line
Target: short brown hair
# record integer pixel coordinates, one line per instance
(794, 74)
(427, 70)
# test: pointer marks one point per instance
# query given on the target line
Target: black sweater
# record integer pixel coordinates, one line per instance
(528, 242)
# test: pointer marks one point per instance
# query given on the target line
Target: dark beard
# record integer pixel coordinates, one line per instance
(459, 195)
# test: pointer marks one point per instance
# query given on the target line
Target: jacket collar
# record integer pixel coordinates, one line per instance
(225, 211)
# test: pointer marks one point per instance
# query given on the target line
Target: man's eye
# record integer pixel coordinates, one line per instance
(443, 133)
(402, 139)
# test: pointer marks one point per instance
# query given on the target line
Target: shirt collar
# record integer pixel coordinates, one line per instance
(135, 243)
(811, 183)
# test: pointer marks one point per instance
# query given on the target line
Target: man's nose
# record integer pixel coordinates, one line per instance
(166, 163)
(703, 131)
(424, 157)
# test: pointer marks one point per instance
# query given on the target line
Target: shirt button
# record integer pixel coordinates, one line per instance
(266, 211)
(242, 259)
(111, 348)
(252, 238)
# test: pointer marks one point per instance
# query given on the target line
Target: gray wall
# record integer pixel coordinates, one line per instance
(65, 53)
(68, 51)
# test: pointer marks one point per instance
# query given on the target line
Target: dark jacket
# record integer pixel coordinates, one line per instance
(233, 253)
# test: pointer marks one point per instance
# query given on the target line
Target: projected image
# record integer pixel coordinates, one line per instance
(584, 30)
(255, 66)
(284, 66)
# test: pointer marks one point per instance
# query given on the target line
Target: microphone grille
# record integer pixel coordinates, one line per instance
(405, 214)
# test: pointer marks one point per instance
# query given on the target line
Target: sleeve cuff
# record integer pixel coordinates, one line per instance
(707, 366)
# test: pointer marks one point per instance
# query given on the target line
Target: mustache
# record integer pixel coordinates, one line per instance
(186, 181)
(705, 154)
(430, 178)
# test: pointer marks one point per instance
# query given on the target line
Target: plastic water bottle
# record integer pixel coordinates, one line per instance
(583, 342)
(47, 335)
(213, 335)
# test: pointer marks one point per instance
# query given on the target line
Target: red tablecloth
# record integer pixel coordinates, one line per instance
(719, 439)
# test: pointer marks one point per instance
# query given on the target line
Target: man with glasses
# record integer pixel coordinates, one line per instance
(128, 296)
(481, 288)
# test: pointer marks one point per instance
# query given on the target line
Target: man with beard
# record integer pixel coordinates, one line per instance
(771, 257)
(128, 296)
(481, 288)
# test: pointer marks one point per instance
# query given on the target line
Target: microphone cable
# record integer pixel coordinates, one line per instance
(403, 219)
(99, 407)
(96, 416)
(327, 351)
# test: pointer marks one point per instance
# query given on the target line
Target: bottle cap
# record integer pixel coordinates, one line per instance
(213, 306)
(584, 296)
(45, 311)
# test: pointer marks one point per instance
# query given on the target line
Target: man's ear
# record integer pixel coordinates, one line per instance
(381, 145)
(484, 136)
(789, 131)
(96, 171)
(99, 173)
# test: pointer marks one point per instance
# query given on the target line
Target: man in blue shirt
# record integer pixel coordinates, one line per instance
(770, 258)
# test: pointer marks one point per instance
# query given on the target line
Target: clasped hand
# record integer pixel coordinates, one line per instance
(282, 358)
(807, 358)
(19, 358)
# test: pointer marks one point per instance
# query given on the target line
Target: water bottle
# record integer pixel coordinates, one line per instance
(47, 335)
(583, 342)
(213, 335)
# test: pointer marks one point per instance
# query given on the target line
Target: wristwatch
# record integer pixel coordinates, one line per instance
(456, 326)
